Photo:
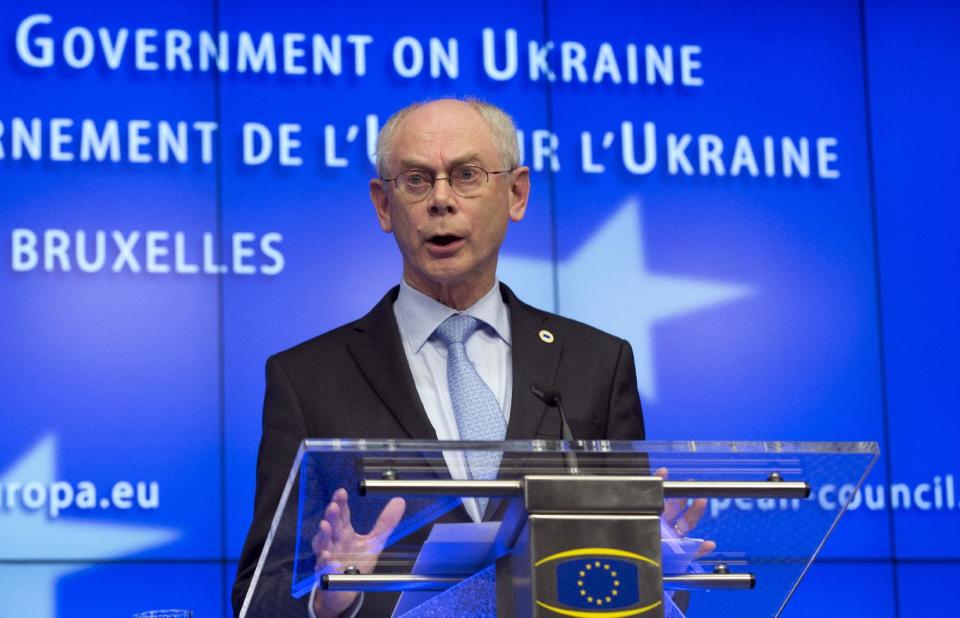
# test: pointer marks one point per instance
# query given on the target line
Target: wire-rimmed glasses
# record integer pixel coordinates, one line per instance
(465, 181)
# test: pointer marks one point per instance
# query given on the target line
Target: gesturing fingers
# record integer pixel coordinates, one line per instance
(692, 515)
(672, 507)
(707, 547)
(684, 522)
(342, 499)
(321, 540)
(337, 542)
(389, 517)
(332, 524)
(684, 515)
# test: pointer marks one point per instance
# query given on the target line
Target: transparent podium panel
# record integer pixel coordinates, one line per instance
(544, 528)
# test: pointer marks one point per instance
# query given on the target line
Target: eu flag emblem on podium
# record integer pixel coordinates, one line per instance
(597, 583)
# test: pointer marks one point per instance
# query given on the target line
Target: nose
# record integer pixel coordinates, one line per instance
(442, 199)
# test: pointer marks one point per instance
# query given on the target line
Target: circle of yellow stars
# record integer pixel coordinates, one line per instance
(600, 567)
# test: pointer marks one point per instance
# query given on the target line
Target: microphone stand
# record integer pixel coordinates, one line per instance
(552, 398)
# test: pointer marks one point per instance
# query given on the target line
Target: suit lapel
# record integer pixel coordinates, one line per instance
(378, 352)
(534, 362)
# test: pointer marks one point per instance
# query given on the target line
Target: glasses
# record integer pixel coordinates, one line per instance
(466, 181)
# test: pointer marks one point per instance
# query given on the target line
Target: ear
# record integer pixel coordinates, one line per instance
(378, 195)
(519, 193)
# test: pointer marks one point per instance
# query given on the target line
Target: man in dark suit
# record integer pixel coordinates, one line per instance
(449, 184)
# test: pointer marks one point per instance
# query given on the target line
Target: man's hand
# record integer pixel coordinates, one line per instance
(337, 546)
(684, 519)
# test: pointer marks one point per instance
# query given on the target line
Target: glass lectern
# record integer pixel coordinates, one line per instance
(581, 529)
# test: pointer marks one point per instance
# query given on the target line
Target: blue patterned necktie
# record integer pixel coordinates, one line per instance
(475, 407)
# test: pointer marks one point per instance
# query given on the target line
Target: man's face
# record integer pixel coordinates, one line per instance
(449, 243)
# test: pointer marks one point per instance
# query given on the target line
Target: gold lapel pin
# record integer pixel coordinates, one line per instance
(546, 336)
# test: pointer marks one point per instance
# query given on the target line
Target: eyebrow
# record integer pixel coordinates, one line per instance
(470, 157)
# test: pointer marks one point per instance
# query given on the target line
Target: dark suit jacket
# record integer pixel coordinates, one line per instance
(355, 382)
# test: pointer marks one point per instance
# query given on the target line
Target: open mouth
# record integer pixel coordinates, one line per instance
(444, 239)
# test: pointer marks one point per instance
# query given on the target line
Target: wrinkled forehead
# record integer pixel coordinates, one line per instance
(443, 133)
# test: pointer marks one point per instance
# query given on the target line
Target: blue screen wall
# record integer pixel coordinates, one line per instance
(768, 217)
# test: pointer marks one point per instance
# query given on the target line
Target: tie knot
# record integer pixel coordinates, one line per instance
(457, 328)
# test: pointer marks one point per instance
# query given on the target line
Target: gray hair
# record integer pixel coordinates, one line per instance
(500, 123)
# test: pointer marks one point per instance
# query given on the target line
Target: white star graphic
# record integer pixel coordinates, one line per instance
(606, 283)
(28, 534)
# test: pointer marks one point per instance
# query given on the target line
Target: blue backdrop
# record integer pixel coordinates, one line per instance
(757, 196)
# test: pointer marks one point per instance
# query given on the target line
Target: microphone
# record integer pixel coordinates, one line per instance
(551, 397)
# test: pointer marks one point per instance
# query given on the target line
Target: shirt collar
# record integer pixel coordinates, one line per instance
(419, 315)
